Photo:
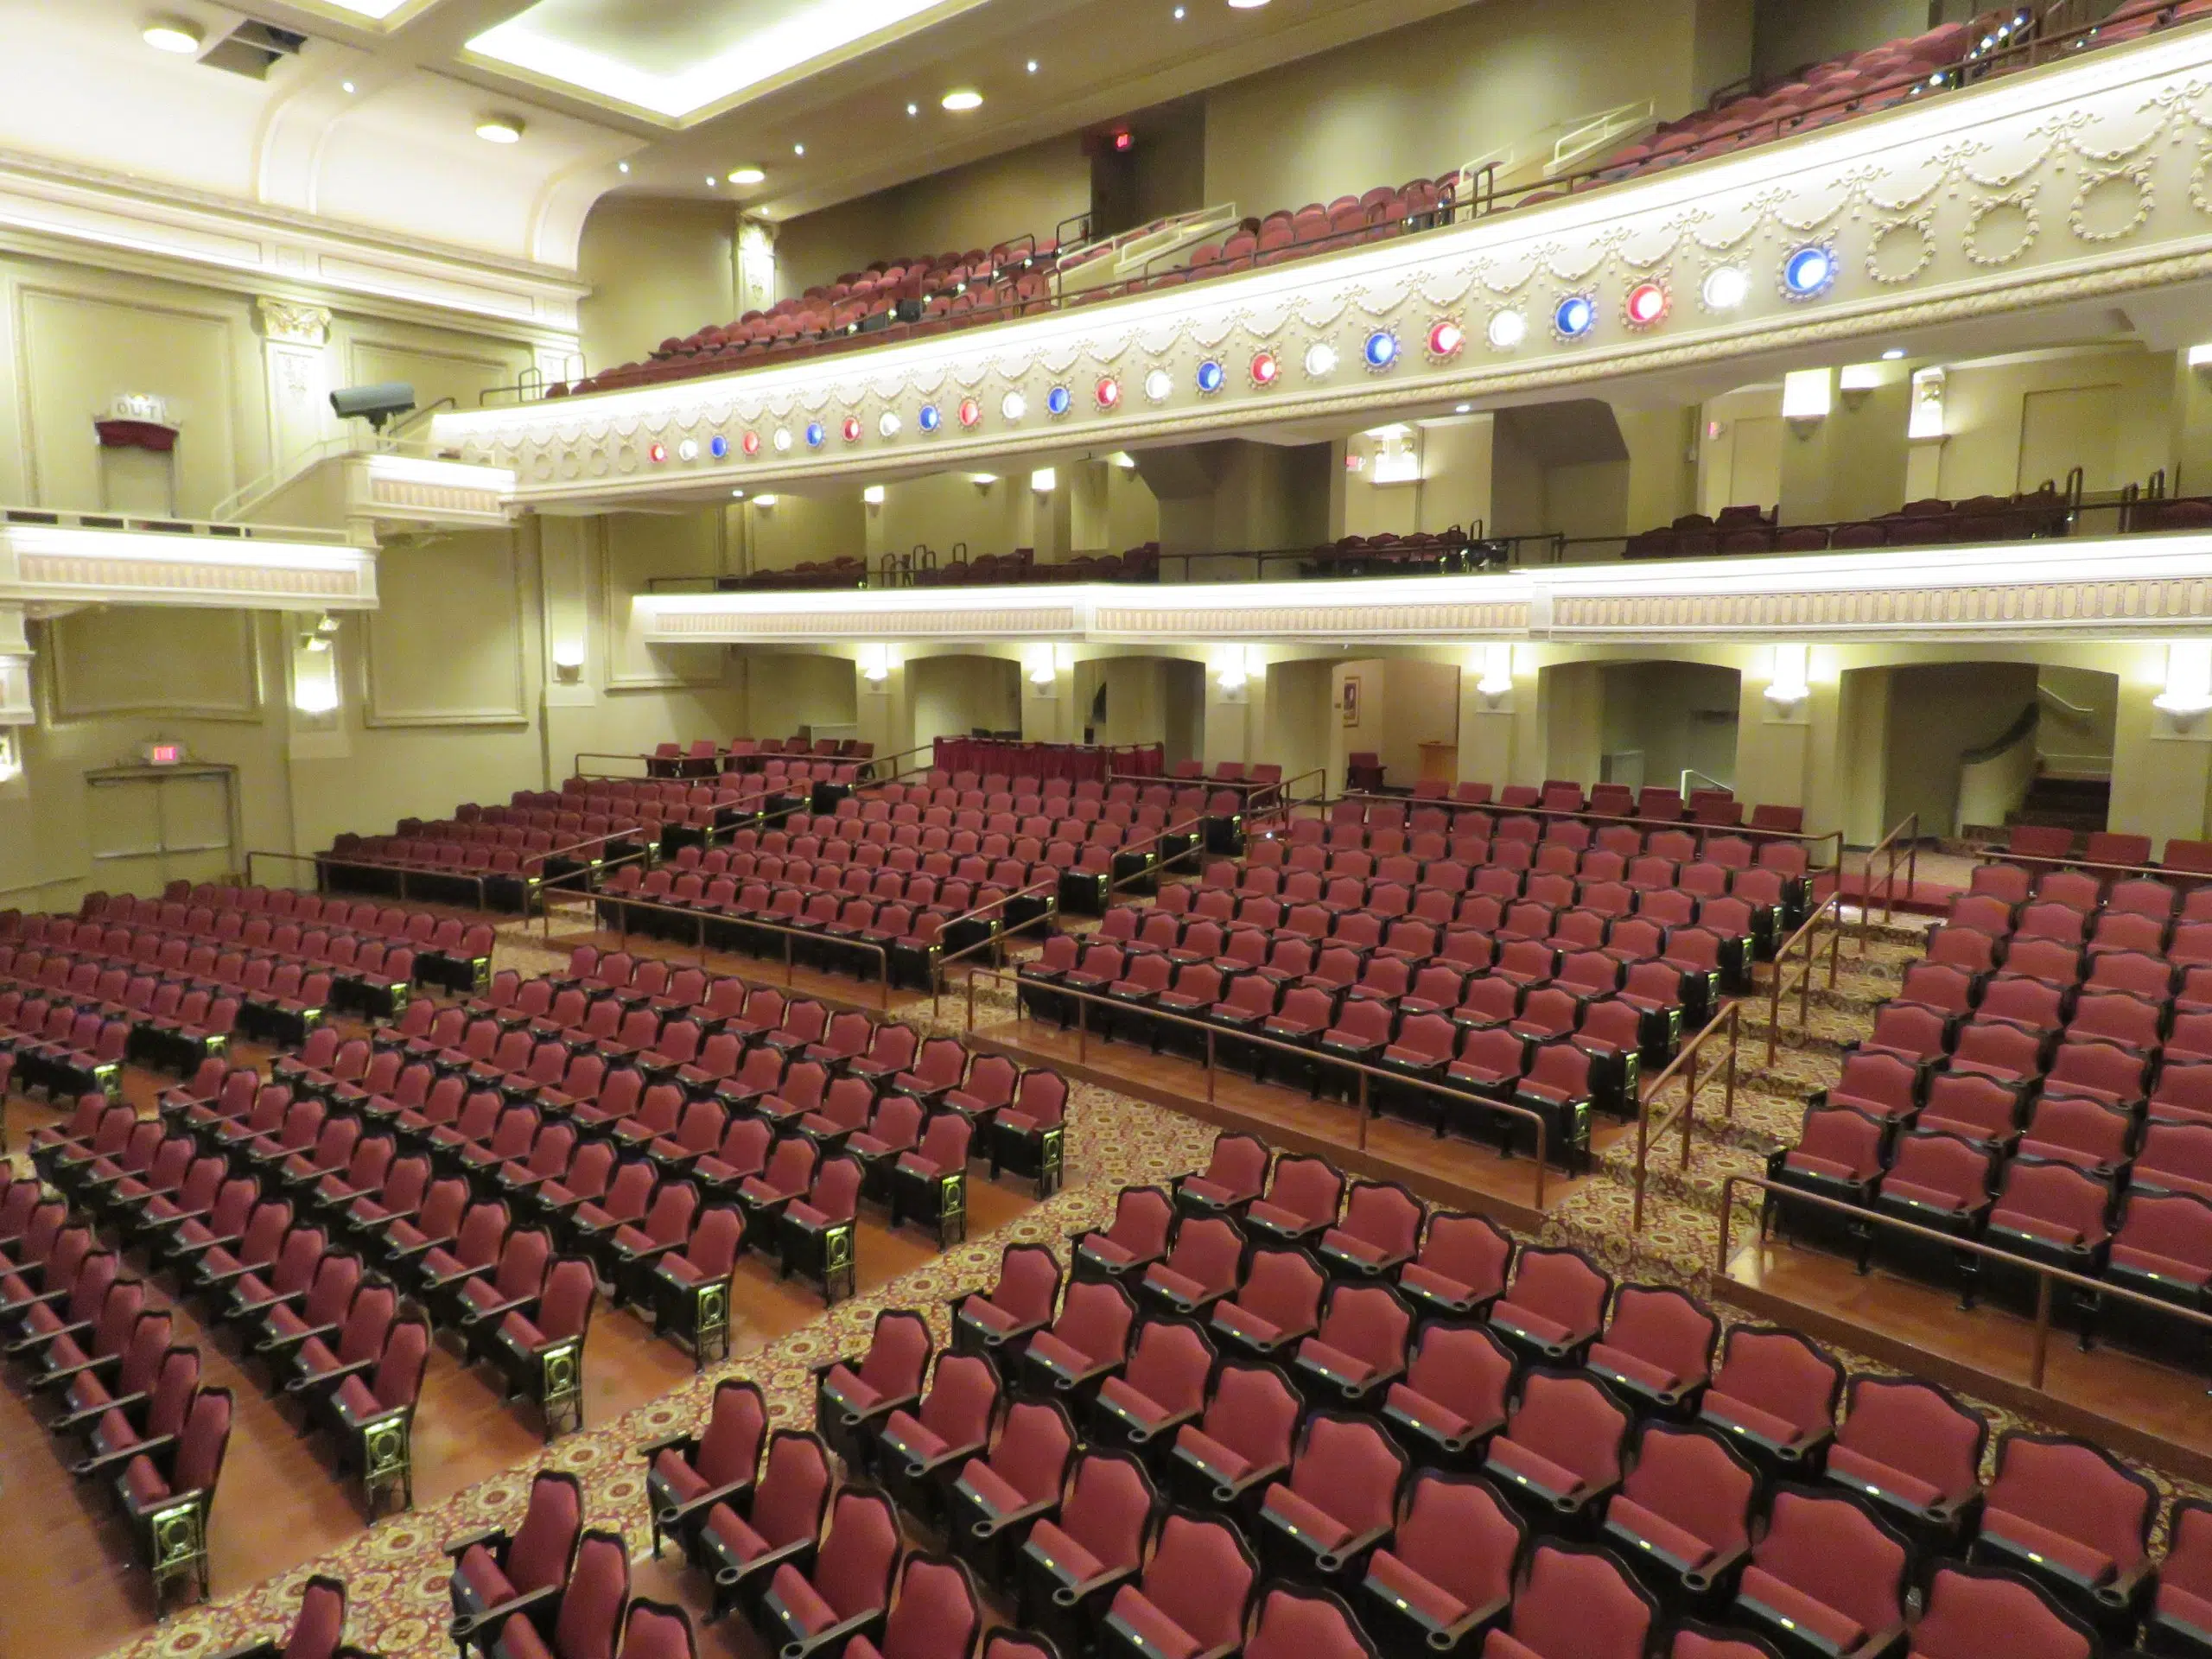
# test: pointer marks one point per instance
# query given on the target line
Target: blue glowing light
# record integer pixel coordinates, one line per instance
(1056, 401)
(816, 434)
(718, 446)
(1381, 349)
(1211, 376)
(1574, 317)
(1808, 271)
(931, 419)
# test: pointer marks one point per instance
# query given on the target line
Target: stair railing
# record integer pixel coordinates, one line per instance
(1901, 843)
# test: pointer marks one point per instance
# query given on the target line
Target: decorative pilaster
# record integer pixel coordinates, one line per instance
(294, 343)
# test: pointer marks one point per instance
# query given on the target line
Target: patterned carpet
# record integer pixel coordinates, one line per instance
(396, 1576)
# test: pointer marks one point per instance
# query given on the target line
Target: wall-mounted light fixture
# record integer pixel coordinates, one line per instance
(1926, 420)
(2188, 682)
(875, 664)
(1806, 396)
(1040, 660)
(1497, 669)
(569, 658)
(766, 503)
(1856, 380)
(11, 764)
(1790, 682)
(1044, 481)
(873, 495)
(982, 481)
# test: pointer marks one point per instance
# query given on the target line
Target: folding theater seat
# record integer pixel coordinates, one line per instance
(995, 1499)
(318, 1629)
(1359, 1348)
(2161, 1248)
(917, 1455)
(1940, 1183)
(2048, 1212)
(1376, 1234)
(853, 1395)
(539, 1347)
(1453, 1397)
(1338, 1502)
(1826, 1578)
(1162, 1388)
(1912, 1451)
(1657, 1352)
(1277, 1305)
(776, 1522)
(1088, 1340)
(1236, 1173)
(1069, 1563)
(1774, 1398)
(2070, 1516)
(2179, 1621)
(582, 1620)
(1972, 1610)
(1461, 1267)
(1192, 1599)
(1205, 1265)
(686, 1475)
(847, 1593)
(1574, 1603)
(165, 1486)
(1137, 1237)
(1302, 1202)
(1445, 1577)
(1556, 1308)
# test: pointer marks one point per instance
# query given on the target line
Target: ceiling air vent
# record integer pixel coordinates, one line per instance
(251, 47)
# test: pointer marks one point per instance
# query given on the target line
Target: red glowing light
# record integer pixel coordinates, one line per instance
(1265, 369)
(1647, 304)
(1125, 140)
(852, 428)
(1109, 392)
(1445, 338)
(659, 453)
(750, 443)
(971, 412)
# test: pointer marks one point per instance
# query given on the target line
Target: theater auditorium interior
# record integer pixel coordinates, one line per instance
(1105, 829)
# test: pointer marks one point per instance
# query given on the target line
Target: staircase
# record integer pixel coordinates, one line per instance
(2065, 801)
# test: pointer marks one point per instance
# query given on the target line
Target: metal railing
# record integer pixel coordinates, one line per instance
(2046, 1276)
(1905, 836)
(1684, 1067)
(323, 862)
(1210, 1063)
(1806, 941)
(789, 936)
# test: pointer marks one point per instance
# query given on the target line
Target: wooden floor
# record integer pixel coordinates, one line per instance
(1446, 1170)
(70, 1587)
(2118, 1398)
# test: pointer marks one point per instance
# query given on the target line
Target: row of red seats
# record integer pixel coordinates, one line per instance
(1438, 806)
(704, 758)
(1927, 523)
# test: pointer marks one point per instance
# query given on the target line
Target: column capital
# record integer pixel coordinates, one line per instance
(289, 323)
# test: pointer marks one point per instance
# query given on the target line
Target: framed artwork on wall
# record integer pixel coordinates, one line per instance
(1351, 701)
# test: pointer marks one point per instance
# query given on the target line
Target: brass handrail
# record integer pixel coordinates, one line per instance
(402, 871)
(1684, 1065)
(1830, 914)
(2046, 1275)
(1908, 833)
(1210, 1064)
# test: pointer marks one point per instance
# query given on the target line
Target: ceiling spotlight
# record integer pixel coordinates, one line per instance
(1574, 316)
(345, 87)
(1178, 14)
(499, 129)
(1033, 66)
(712, 181)
(173, 35)
(747, 174)
(1725, 289)
(1807, 272)
(764, 502)
(798, 149)
(913, 108)
(1246, 5)
(621, 166)
(963, 100)
(1893, 355)
(1463, 409)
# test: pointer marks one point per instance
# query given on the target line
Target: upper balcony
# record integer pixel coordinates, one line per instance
(2020, 203)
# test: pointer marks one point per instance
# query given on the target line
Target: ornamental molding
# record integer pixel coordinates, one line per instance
(289, 323)
(2144, 585)
(65, 565)
(2083, 181)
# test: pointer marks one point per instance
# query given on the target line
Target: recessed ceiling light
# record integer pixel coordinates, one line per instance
(622, 166)
(748, 175)
(798, 149)
(963, 100)
(1033, 66)
(1246, 5)
(1893, 353)
(1463, 409)
(712, 181)
(172, 34)
(1178, 14)
(913, 108)
(499, 130)
(345, 87)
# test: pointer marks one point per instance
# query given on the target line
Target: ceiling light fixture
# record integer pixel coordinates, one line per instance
(1178, 14)
(1246, 5)
(1725, 289)
(712, 181)
(913, 108)
(747, 174)
(798, 149)
(1033, 66)
(621, 166)
(963, 100)
(1463, 409)
(173, 35)
(1893, 355)
(499, 129)
(345, 87)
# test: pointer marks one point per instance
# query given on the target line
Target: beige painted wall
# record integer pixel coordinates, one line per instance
(998, 199)
(953, 695)
(1664, 712)
(657, 269)
(1789, 34)
(1998, 418)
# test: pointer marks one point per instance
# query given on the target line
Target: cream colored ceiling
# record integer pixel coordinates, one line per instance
(398, 152)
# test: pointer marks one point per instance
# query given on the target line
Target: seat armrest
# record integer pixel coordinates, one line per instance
(32, 1343)
(833, 1640)
(122, 1454)
(676, 1514)
(329, 1379)
(71, 1421)
(686, 1444)
(277, 1344)
(490, 1538)
(485, 1626)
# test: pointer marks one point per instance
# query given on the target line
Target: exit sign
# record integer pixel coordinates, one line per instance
(161, 755)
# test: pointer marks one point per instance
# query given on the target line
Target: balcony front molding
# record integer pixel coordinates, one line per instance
(2132, 588)
(2083, 181)
(72, 562)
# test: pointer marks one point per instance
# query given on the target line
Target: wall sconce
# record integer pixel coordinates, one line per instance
(766, 503)
(1790, 682)
(1124, 460)
(1044, 481)
(1497, 682)
(873, 495)
(1040, 661)
(1856, 380)
(11, 764)
(2188, 682)
(1927, 418)
(875, 664)
(569, 658)
(2199, 357)
(982, 481)
(1806, 396)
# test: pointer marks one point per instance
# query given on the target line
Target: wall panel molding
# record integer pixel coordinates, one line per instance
(74, 686)
(393, 690)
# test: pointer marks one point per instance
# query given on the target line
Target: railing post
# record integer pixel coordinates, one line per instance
(1728, 1215)
(971, 1000)
(1690, 1108)
(1835, 939)
(2043, 1331)
(1210, 1061)
(1774, 1003)
(1735, 1029)
(790, 961)
(1082, 1027)
(1362, 1108)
